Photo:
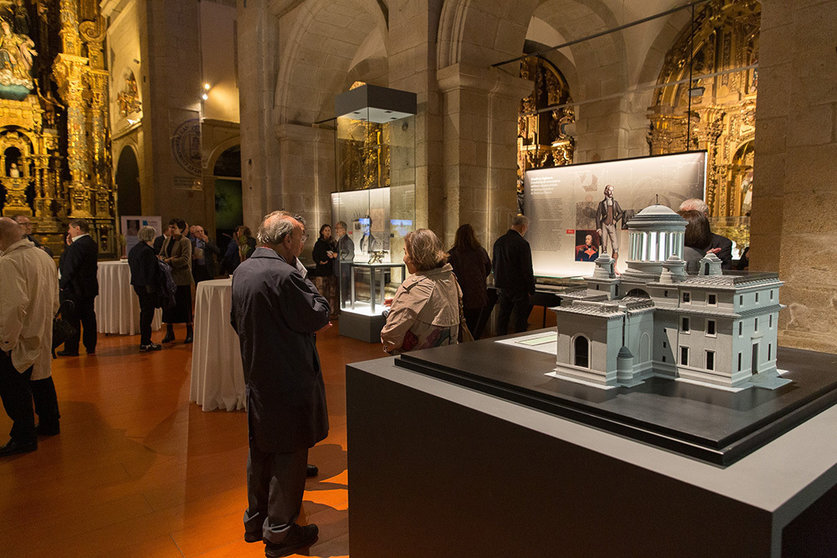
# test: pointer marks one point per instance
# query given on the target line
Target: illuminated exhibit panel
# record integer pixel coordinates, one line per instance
(567, 204)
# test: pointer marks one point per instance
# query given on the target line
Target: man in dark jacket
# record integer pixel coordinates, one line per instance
(80, 284)
(343, 262)
(276, 312)
(145, 277)
(513, 276)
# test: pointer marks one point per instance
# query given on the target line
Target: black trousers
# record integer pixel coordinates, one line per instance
(515, 306)
(81, 316)
(147, 302)
(16, 393)
(46, 403)
(472, 318)
(275, 485)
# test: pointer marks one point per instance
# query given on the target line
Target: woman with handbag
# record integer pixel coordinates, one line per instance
(145, 278)
(177, 252)
(427, 308)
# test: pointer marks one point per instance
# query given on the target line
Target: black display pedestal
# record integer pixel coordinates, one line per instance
(438, 469)
(711, 424)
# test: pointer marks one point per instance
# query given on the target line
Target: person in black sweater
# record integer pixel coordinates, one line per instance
(79, 283)
(324, 254)
(145, 277)
(513, 276)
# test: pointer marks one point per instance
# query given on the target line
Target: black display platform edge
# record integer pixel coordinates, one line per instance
(732, 450)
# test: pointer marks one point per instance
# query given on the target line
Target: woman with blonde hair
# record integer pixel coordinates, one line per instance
(427, 308)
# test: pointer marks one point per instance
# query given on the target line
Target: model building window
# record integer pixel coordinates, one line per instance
(712, 299)
(664, 345)
(739, 362)
(757, 298)
(769, 346)
(582, 356)
(684, 356)
(740, 328)
(685, 325)
(687, 297)
(756, 324)
(770, 321)
(710, 327)
(771, 294)
(665, 293)
(710, 360)
(741, 300)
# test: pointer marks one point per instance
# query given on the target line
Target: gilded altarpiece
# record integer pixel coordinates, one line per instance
(54, 131)
(542, 138)
(707, 101)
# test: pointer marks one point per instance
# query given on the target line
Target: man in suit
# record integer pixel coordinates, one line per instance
(28, 301)
(80, 284)
(276, 312)
(721, 246)
(513, 276)
(343, 262)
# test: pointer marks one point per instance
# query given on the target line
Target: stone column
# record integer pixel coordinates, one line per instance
(794, 227)
(257, 54)
(480, 107)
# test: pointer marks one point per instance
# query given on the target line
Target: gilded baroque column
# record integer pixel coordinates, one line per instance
(68, 71)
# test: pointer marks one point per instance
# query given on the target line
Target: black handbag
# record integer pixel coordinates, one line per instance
(61, 329)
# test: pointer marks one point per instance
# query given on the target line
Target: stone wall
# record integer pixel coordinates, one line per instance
(794, 230)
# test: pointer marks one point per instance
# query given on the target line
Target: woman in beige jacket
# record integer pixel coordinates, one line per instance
(426, 309)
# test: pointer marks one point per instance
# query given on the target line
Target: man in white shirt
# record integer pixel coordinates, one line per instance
(28, 302)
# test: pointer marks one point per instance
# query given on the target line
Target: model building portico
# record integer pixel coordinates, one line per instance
(655, 320)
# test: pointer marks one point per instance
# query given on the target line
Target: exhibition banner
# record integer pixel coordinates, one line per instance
(572, 220)
(131, 224)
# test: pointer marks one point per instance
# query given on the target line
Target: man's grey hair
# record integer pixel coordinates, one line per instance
(520, 221)
(275, 227)
(694, 204)
(147, 234)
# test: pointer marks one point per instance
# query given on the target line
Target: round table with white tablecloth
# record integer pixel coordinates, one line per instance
(117, 306)
(217, 374)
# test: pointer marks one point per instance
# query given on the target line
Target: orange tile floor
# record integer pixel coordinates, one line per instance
(140, 471)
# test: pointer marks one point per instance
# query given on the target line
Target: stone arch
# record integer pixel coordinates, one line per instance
(323, 37)
(644, 348)
(127, 180)
(581, 351)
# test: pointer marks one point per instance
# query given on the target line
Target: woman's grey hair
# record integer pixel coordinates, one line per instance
(147, 234)
(425, 249)
(275, 227)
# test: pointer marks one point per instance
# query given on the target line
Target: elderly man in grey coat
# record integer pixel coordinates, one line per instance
(276, 312)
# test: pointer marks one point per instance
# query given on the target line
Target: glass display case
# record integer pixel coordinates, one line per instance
(375, 199)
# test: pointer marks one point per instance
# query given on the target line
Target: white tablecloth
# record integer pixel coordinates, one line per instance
(117, 306)
(217, 375)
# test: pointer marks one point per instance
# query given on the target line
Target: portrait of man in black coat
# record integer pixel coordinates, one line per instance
(80, 285)
(276, 313)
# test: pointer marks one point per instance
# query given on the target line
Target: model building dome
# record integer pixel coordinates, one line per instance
(656, 233)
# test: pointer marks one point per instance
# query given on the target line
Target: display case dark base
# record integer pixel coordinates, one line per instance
(713, 425)
(361, 326)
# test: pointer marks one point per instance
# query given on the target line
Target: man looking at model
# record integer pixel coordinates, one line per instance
(276, 312)
(513, 276)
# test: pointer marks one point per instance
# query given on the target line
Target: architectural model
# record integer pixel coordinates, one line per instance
(655, 320)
